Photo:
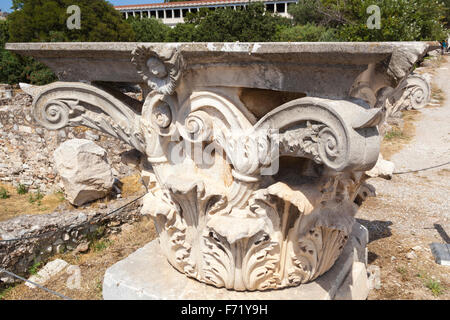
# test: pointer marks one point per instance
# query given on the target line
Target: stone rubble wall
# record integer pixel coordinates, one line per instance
(56, 233)
(26, 149)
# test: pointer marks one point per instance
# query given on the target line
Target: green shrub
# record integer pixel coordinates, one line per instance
(4, 193)
(35, 268)
(149, 30)
(307, 33)
(36, 197)
(45, 21)
(21, 189)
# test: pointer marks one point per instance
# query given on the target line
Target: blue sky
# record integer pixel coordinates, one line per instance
(5, 5)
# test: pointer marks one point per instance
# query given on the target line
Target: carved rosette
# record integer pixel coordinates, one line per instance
(239, 203)
(159, 70)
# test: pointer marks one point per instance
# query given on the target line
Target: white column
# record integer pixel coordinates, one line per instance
(140, 13)
(126, 14)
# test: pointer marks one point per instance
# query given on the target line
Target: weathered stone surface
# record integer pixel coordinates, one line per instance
(374, 276)
(50, 270)
(84, 170)
(441, 253)
(53, 230)
(413, 93)
(27, 157)
(146, 275)
(355, 286)
(301, 64)
(383, 169)
(435, 53)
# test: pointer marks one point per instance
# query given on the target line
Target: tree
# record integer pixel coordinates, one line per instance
(182, 32)
(401, 20)
(316, 12)
(228, 25)
(306, 33)
(4, 34)
(39, 20)
(149, 30)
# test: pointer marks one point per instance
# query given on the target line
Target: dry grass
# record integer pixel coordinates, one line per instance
(102, 254)
(397, 138)
(444, 172)
(131, 185)
(402, 279)
(437, 94)
(80, 129)
(21, 204)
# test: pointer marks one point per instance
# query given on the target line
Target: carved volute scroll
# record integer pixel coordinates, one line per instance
(62, 104)
(413, 93)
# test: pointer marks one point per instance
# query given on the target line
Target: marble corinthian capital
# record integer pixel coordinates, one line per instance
(253, 152)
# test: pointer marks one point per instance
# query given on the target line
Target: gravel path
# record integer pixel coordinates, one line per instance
(408, 208)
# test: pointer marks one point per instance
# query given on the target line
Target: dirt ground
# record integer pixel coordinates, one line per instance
(13, 203)
(410, 212)
(413, 210)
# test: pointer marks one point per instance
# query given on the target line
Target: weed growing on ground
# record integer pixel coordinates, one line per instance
(434, 285)
(403, 272)
(394, 134)
(101, 245)
(5, 291)
(35, 268)
(21, 189)
(60, 195)
(4, 193)
(37, 197)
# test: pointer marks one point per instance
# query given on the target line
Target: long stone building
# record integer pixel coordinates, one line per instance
(172, 13)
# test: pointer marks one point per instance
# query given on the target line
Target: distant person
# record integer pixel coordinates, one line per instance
(444, 46)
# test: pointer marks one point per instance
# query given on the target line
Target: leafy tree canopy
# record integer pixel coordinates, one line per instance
(306, 33)
(401, 20)
(228, 25)
(149, 30)
(4, 35)
(39, 20)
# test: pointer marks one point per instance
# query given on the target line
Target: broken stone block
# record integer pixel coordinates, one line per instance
(374, 276)
(441, 253)
(383, 169)
(84, 169)
(50, 270)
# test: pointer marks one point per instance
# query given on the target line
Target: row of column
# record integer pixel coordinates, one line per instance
(181, 13)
